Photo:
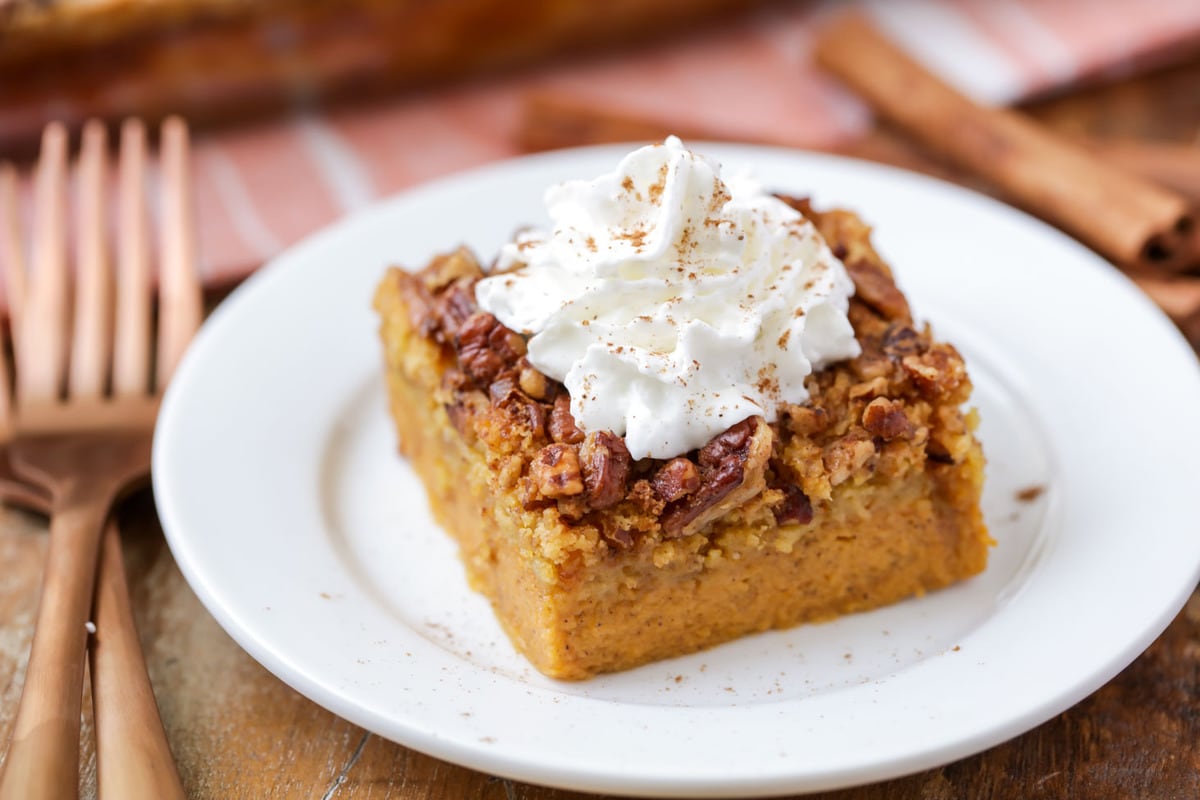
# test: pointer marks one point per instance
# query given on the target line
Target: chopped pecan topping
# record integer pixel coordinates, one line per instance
(875, 287)
(730, 443)
(555, 471)
(562, 427)
(419, 302)
(731, 470)
(503, 388)
(937, 371)
(529, 411)
(869, 414)
(872, 366)
(795, 509)
(452, 308)
(718, 483)
(509, 345)
(532, 382)
(886, 419)
(606, 461)
(450, 267)
(847, 455)
(478, 359)
(504, 393)
(901, 340)
(874, 387)
(675, 479)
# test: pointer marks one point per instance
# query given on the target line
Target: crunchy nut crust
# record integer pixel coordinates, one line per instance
(893, 408)
(556, 471)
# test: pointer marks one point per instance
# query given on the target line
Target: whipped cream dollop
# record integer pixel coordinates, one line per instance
(672, 303)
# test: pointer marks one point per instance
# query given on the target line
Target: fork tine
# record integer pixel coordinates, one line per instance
(179, 295)
(13, 274)
(91, 345)
(133, 757)
(42, 343)
(6, 409)
(13, 254)
(131, 349)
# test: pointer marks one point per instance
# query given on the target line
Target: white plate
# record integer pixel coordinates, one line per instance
(309, 540)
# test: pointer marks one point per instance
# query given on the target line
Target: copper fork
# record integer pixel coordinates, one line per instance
(86, 399)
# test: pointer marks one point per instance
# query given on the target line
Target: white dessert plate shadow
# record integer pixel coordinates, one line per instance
(306, 536)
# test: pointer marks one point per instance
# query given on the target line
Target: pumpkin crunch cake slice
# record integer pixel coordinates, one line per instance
(691, 412)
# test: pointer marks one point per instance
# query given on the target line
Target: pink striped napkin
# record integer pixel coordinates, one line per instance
(260, 189)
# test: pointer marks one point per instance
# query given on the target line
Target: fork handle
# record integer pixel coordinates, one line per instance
(133, 758)
(43, 755)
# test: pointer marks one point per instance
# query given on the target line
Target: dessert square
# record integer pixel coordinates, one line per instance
(602, 549)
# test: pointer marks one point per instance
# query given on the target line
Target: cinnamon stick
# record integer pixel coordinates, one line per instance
(1132, 221)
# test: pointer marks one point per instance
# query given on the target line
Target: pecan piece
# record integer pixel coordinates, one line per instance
(875, 286)
(718, 484)
(478, 360)
(885, 418)
(938, 371)
(420, 303)
(562, 427)
(504, 393)
(732, 470)
(454, 306)
(606, 461)
(555, 471)
(503, 388)
(508, 344)
(530, 411)
(871, 365)
(449, 267)
(875, 386)
(532, 382)
(675, 479)
(847, 455)
(796, 508)
(901, 340)
(727, 444)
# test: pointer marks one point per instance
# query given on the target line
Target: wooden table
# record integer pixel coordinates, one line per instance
(238, 732)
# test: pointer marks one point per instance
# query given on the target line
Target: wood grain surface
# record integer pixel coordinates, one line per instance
(238, 732)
